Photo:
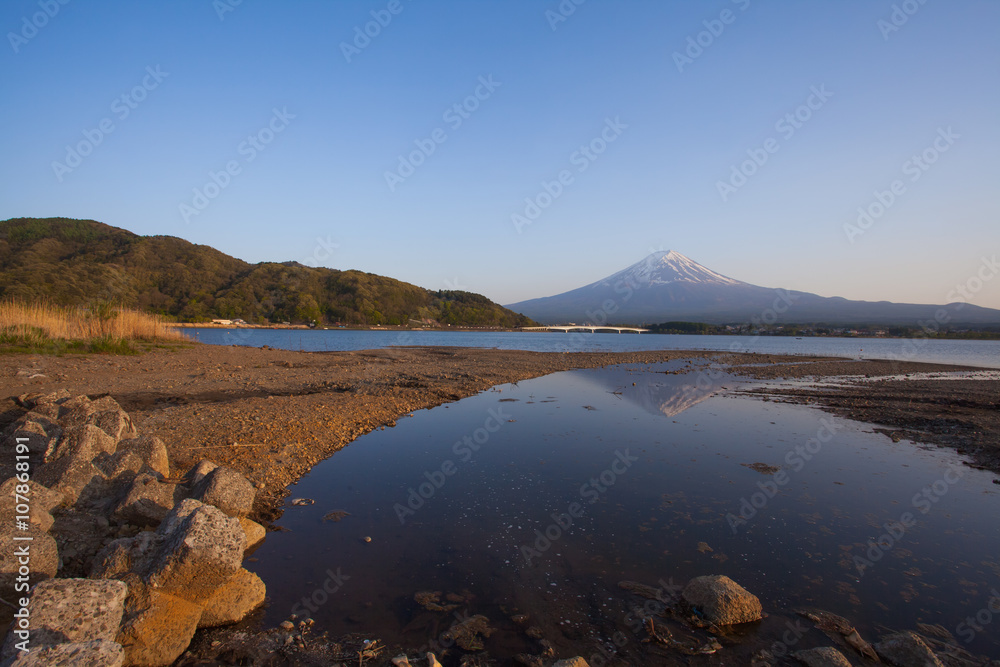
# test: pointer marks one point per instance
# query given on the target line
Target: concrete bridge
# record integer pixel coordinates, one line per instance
(566, 328)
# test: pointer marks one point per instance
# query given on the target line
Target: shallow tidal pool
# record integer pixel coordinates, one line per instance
(539, 498)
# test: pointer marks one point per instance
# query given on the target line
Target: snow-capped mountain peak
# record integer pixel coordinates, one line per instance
(666, 286)
(669, 266)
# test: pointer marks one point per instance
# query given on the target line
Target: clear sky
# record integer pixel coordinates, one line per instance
(309, 115)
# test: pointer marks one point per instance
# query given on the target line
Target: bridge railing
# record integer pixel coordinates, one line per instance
(583, 327)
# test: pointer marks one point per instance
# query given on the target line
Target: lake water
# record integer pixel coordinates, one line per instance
(539, 498)
(983, 354)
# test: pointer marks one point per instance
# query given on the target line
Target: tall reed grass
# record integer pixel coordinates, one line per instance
(37, 324)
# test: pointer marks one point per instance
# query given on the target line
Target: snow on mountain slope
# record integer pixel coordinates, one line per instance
(667, 286)
(665, 267)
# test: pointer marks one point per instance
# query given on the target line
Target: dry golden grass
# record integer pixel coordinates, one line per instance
(30, 320)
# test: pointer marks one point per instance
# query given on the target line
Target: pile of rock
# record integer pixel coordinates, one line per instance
(186, 575)
(158, 586)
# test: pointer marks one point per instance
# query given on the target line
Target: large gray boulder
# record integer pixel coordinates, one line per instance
(136, 455)
(200, 553)
(177, 516)
(185, 575)
(32, 400)
(70, 469)
(146, 501)
(104, 413)
(75, 411)
(127, 555)
(98, 653)
(199, 471)
(110, 418)
(226, 489)
(73, 610)
(44, 404)
(722, 601)
(83, 440)
(136, 555)
(906, 649)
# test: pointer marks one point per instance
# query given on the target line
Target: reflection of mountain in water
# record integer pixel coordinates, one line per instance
(671, 402)
(657, 392)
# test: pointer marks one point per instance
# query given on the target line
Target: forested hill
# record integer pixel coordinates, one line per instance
(81, 262)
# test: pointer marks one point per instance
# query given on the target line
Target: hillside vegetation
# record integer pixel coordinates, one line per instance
(82, 262)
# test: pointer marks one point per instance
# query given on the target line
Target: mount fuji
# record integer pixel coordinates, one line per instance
(667, 286)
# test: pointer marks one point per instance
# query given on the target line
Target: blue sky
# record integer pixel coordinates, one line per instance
(309, 129)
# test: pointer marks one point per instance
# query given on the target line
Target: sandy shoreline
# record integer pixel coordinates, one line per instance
(273, 414)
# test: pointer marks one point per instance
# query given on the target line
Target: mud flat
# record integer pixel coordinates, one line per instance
(955, 412)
